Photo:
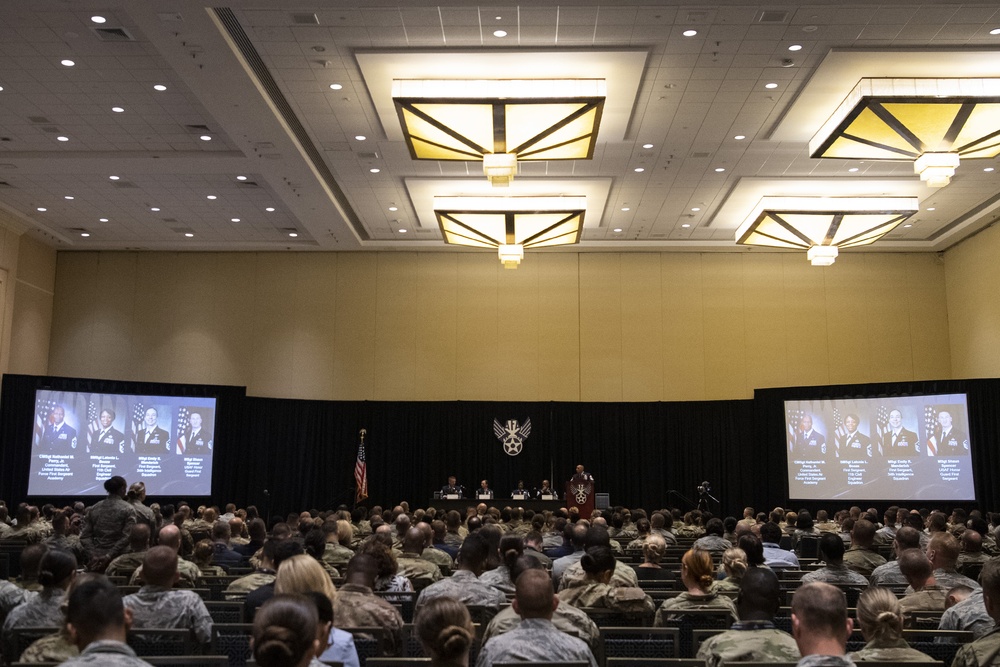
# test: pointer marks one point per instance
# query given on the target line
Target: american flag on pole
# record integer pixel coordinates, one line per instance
(361, 472)
(930, 423)
(795, 416)
(43, 413)
(183, 422)
(840, 431)
(138, 414)
(881, 425)
(93, 426)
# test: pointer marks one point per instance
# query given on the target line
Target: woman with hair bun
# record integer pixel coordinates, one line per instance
(56, 572)
(734, 564)
(594, 590)
(107, 525)
(653, 550)
(882, 626)
(511, 548)
(698, 576)
(284, 632)
(445, 630)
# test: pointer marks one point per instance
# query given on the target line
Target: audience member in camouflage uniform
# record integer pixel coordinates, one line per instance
(968, 614)
(432, 554)
(698, 576)
(62, 539)
(31, 560)
(713, 541)
(138, 543)
(412, 565)
(643, 530)
(12, 595)
(56, 573)
(535, 639)
(464, 584)
(261, 576)
(906, 538)
(913, 564)
(598, 536)
(820, 625)
(96, 621)
(831, 551)
(338, 542)
(136, 497)
(754, 637)
(158, 605)
(972, 557)
(28, 528)
(985, 650)
(942, 552)
(357, 606)
(861, 557)
(882, 626)
(190, 575)
(107, 525)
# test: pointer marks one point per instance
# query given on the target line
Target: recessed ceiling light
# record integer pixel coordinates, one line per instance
(740, 137)
(647, 145)
(98, 19)
(211, 197)
(41, 209)
(84, 234)
(931, 208)
(995, 31)
(695, 209)
(685, 225)
(241, 178)
(719, 170)
(118, 109)
(154, 209)
(62, 138)
(269, 209)
(639, 170)
(335, 86)
(234, 219)
(360, 137)
(498, 18)
(114, 178)
(770, 85)
(626, 208)
(68, 197)
(988, 169)
(293, 234)
(689, 33)
(102, 219)
(1, 88)
(795, 47)
(188, 234)
(402, 230)
(907, 225)
(393, 208)
(499, 33)
(160, 87)
(618, 230)
(205, 137)
(374, 170)
(67, 63)
(852, 169)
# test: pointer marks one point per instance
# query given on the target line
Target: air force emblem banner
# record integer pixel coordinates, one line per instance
(512, 435)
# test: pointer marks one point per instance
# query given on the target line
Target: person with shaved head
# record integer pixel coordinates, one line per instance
(970, 561)
(535, 639)
(927, 593)
(986, 649)
(159, 605)
(412, 565)
(942, 552)
(190, 575)
(820, 625)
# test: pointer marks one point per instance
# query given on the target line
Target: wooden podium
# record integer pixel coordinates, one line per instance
(580, 493)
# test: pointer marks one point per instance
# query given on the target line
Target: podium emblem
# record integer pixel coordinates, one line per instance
(512, 435)
(580, 492)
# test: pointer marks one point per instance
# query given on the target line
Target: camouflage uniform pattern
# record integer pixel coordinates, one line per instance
(673, 607)
(465, 587)
(624, 576)
(887, 574)
(825, 661)
(930, 597)
(838, 575)
(250, 582)
(31, 533)
(948, 579)
(757, 641)
(107, 526)
(337, 555)
(604, 596)
(70, 543)
(637, 543)
(107, 654)
(535, 640)
(980, 653)
(439, 558)
(421, 572)
(977, 558)
(566, 618)
(498, 579)
(358, 607)
(713, 543)
(540, 557)
(727, 584)
(125, 564)
(897, 651)
(12, 595)
(190, 575)
(42, 611)
(158, 607)
(51, 648)
(969, 614)
(863, 561)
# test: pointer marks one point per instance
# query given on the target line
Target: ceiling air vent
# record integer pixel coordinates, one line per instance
(170, 220)
(772, 16)
(372, 155)
(247, 184)
(125, 184)
(197, 129)
(5, 184)
(113, 34)
(701, 155)
(39, 119)
(305, 19)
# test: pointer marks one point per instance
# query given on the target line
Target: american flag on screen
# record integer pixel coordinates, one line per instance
(138, 414)
(930, 423)
(839, 430)
(183, 422)
(43, 412)
(361, 472)
(881, 425)
(795, 415)
(93, 426)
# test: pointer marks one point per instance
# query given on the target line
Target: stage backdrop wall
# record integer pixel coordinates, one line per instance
(285, 454)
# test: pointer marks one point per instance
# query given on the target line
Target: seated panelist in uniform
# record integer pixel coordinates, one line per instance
(484, 490)
(546, 490)
(452, 488)
(108, 440)
(520, 490)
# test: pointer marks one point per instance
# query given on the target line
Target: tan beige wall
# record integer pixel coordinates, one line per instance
(446, 326)
(972, 276)
(32, 313)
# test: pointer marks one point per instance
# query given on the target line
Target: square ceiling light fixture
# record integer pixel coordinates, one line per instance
(500, 122)
(931, 122)
(510, 224)
(822, 225)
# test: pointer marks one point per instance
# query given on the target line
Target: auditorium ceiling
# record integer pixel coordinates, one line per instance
(270, 125)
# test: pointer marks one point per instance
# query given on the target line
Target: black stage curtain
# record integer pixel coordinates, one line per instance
(285, 455)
